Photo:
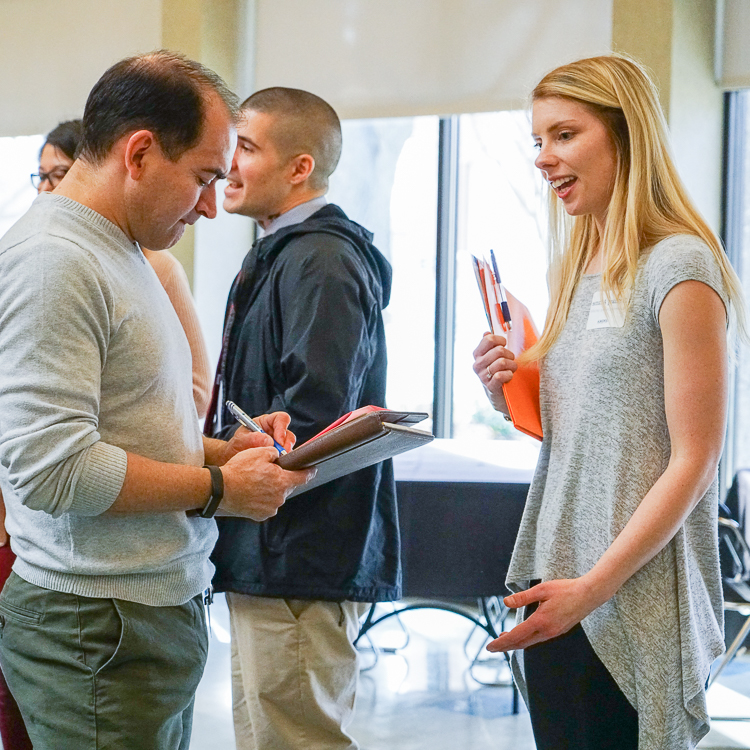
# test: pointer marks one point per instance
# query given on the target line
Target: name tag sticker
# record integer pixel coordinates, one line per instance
(613, 317)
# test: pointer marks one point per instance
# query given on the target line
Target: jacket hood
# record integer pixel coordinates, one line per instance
(332, 220)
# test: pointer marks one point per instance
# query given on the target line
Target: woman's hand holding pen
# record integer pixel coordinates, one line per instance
(562, 605)
(494, 365)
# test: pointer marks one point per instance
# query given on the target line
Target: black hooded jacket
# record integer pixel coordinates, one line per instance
(308, 339)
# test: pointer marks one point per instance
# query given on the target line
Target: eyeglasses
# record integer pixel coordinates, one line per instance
(54, 177)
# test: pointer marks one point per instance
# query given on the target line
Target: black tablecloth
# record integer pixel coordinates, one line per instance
(457, 537)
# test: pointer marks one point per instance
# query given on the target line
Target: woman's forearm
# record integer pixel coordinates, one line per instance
(655, 522)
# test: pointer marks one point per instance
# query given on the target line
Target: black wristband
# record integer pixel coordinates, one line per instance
(217, 492)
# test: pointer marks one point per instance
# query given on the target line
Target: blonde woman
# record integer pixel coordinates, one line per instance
(615, 567)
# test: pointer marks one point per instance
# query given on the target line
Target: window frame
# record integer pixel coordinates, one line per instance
(732, 201)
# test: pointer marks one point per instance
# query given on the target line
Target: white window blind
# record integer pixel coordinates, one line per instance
(732, 48)
(388, 58)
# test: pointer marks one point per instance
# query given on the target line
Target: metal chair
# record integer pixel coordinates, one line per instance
(735, 549)
(734, 555)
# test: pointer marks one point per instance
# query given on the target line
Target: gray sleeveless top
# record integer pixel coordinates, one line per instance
(605, 444)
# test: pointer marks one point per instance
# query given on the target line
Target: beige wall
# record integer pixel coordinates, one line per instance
(395, 58)
(696, 116)
(733, 66)
(211, 31)
(675, 40)
(52, 53)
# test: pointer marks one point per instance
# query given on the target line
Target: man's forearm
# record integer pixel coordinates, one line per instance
(215, 452)
(254, 485)
(152, 486)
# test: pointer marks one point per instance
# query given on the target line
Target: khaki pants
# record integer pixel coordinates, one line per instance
(294, 672)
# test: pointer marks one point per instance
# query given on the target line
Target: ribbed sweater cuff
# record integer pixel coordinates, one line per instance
(101, 479)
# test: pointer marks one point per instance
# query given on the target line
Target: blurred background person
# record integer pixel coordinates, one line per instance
(57, 155)
(173, 278)
(12, 729)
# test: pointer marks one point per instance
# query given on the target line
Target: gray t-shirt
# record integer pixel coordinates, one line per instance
(606, 442)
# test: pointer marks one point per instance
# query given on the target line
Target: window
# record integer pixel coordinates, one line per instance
(434, 191)
(736, 235)
(500, 206)
(387, 181)
(19, 157)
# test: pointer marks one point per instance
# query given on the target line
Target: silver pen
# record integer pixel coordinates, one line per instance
(251, 424)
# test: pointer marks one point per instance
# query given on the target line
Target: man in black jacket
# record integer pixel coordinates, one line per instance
(303, 334)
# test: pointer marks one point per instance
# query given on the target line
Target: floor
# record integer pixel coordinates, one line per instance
(419, 690)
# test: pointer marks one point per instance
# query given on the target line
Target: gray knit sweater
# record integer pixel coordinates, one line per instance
(94, 363)
(606, 442)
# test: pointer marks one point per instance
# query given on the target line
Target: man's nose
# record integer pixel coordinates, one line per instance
(207, 202)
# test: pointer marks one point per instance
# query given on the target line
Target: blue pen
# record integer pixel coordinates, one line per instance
(251, 424)
(503, 302)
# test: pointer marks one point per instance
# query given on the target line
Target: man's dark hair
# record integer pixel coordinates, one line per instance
(163, 92)
(305, 124)
(66, 137)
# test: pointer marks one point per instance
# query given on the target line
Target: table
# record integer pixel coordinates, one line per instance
(457, 537)
(460, 506)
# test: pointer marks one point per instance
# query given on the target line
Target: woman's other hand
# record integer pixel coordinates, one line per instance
(494, 365)
(562, 605)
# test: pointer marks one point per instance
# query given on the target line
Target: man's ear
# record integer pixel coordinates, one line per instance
(138, 147)
(302, 167)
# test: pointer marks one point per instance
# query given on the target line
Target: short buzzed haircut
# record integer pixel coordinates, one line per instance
(306, 124)
(163, 92)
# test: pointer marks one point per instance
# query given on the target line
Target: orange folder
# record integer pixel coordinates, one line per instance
(522, 392)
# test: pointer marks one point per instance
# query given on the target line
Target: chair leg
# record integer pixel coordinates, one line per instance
(731, 651)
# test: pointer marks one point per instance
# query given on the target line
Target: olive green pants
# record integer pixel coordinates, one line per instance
(90, 674)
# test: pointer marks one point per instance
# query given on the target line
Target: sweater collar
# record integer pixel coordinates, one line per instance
(92, 217)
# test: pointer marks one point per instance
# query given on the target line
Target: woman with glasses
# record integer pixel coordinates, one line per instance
(57, 155)
(616, 568)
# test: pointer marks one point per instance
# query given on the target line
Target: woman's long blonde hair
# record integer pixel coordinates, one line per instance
(649, 201)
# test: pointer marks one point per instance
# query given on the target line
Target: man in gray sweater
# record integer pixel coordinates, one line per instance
(102, 462)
